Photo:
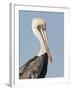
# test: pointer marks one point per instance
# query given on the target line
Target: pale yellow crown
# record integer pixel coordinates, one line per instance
(36, 22)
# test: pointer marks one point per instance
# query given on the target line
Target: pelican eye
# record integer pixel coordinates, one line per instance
(39, 27)
(42, 26)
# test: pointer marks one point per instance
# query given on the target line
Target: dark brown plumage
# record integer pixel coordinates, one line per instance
(35, 68)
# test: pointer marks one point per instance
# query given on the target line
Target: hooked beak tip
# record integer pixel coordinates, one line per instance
(50, 60)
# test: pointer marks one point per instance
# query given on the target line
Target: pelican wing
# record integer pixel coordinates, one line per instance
(32, 68)
(23, 67)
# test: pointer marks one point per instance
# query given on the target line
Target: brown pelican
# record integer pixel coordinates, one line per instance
(37, 66)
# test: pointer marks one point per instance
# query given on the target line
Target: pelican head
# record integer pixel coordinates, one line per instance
(39, 30)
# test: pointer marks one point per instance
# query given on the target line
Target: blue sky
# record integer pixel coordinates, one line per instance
(29, 45)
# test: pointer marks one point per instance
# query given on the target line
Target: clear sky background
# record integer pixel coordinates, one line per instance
(29, 45)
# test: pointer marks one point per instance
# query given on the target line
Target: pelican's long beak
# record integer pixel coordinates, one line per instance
(45, 40)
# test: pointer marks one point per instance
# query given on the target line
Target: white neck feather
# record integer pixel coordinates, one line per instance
(42, 49)
(42, 46)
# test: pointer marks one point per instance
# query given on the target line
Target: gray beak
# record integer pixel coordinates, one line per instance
(43, 33)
